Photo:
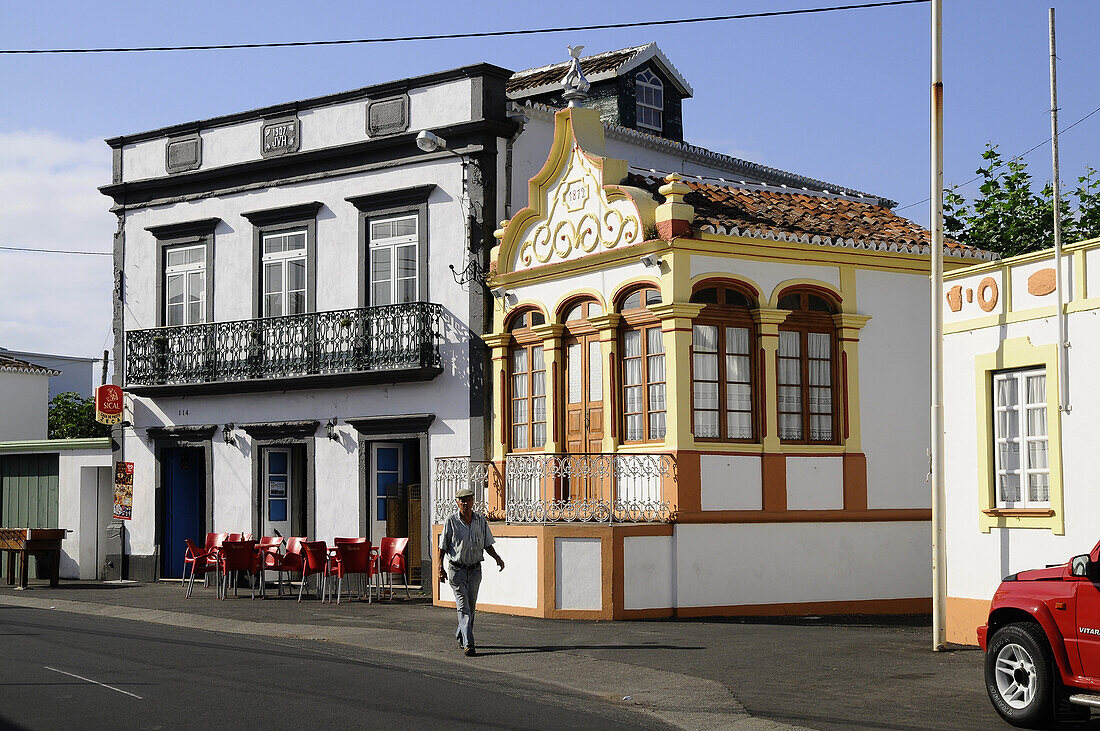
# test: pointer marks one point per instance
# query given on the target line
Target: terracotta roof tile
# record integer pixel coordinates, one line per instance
(778, 214)
(14, 365)
(592, 65)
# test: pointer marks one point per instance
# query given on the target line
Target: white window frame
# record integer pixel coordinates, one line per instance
(185, 271)
(647, 80)
(1023, 440)
(392, 244)
(284, 258)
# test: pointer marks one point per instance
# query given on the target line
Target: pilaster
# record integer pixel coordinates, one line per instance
(676, 323)
(848, 326)
(551, 334)
(767, 328)
(608, 328)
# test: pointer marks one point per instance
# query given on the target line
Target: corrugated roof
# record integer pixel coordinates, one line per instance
(768, 213)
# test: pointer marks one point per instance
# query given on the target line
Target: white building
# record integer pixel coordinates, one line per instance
(74, 374)
(1018, 469)
(24, 399)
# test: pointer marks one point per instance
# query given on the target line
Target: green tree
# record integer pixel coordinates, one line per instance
(1008, 218)
(73, 417)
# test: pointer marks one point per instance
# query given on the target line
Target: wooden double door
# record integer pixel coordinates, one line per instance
(585, 418)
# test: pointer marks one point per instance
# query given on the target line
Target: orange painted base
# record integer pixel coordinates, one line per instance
(964, 616)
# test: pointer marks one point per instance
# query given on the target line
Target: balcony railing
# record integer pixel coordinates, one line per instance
(593, 488)
(387, 338)
(562, 488)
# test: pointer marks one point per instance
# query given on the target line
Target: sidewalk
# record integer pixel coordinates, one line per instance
(841, 673)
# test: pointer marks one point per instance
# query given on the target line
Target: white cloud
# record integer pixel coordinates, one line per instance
(54, 303)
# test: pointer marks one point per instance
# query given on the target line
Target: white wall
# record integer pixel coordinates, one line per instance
(24, 406)
(579, 580)
(517, 585)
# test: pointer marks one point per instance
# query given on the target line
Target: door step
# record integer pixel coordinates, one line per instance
(1092, 700)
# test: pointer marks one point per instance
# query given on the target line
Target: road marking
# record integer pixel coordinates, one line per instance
(96, 682)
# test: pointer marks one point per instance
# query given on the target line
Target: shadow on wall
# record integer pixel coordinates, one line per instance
(460, 348)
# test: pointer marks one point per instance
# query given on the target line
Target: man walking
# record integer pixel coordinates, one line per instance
(466, 538)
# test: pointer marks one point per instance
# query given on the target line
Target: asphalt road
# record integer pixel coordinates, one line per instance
(62, 670)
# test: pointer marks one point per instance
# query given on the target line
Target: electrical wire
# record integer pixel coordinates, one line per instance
(55, 251)
(456, 36)
(1028, 151)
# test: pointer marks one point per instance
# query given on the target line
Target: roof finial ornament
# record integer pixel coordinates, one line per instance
(575, 85)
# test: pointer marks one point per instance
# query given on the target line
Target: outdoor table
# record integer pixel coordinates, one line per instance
(32, 541)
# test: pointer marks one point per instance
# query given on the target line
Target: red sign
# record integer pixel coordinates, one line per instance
(108, 404)
(124, 490)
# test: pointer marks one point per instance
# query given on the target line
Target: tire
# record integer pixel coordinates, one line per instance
(1020, 675)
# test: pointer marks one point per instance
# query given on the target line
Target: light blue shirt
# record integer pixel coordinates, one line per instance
(463, 543)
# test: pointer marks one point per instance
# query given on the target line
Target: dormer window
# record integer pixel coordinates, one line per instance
(650, 95)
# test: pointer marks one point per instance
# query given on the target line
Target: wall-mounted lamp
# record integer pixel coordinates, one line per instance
(227, 434)
(650, 260)
(330, 430)
(499, 293)
(430, 141)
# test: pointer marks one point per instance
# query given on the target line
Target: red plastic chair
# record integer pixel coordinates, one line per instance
(392, 561)
(199, 561)
(352, 557)
(314, 561)
(238, 556)
(289, 562)
(235, 537)
(268, 548)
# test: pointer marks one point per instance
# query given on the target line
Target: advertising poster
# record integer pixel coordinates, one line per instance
(124, 490)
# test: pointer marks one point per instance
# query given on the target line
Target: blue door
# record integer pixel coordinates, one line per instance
(184, 481)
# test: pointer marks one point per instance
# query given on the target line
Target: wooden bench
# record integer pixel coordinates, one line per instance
(45, 542)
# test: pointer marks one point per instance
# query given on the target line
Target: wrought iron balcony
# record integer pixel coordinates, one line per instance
(563, 488)
(340, 347)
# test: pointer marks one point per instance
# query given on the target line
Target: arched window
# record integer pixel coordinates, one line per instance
(582, 383)
(806, 369)
(527, 381)
(723, 376)
(650, 96)
(643, 367)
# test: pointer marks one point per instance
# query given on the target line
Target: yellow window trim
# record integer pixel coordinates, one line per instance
(1012, 354)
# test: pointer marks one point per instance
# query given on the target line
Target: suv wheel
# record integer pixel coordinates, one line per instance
(1019, 675)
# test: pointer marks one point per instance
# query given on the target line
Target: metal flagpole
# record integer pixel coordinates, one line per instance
(1063, 365)
(939, 558)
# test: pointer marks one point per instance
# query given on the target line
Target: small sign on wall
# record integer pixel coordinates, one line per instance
(124, 490)
(108, 404)
(280, 137)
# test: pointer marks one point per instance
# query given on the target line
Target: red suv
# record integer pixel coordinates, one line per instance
(1042, 643)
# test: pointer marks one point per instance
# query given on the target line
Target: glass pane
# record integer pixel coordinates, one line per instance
(707, 296)
(632, 344)
(790, 371)
(595, 372)
(1008, 425)
(706, 367)
(519, 385)
(821, 401)
(706, 395)
(574, 314)
(790, 426)
(1009, 488)
(519, 436)
(175, 289)
(296, 274)
(1038, 488)
(652, 297)
(538, 409)
(654, 341)
(737, 340)
(381, 264)
(273, 277)
(1037, 455)
(176, 257)
(821, 428)
(1037, 422)
(738, 397)
(295, 303)
(657, 425)
(818, 345)
(406, 290)
(632, 399)
(657, 397)
(789, 345)
(704, 339)
(406, 261)
(820, 373)
(273, 305)
(380, 293)
(1006, 391)
(737, 368)
(519, 411)
(706, 424)
(632, 372)
(633, 301)
(1036, 389)
(574, 364)
(656, 365)
(634, 428)
(790, 399)
(277, 463)
(174, 315)
(274, 244)
(196, 255)
(594, 309)
(1009, 456)
(538, 437)
(194, 313)
(296, 240)
(519, 360)
(739, 425)
(537, 363)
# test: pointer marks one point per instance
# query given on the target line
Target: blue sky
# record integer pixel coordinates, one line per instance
(839, 96)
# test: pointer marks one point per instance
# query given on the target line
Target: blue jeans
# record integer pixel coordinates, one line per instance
(464, 583)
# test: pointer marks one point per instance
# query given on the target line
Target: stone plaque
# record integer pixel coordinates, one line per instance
(280, 137)
(388, 116)
(183, 154)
